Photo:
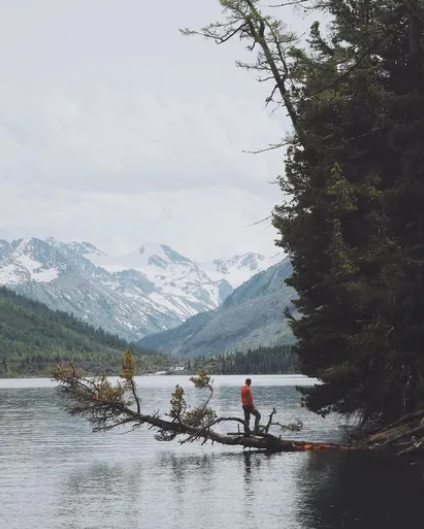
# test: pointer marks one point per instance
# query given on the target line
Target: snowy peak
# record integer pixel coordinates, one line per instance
(85, 249)
(77, 249)
(160, 255)
(249, 261)
(161, 263)
(252, 261)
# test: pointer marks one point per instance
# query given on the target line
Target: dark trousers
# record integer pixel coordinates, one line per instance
(250, 410)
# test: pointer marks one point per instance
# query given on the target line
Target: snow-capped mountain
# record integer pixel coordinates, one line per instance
(159, 261)
(149, 290)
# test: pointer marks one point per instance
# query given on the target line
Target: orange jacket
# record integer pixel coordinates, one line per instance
(246, 396)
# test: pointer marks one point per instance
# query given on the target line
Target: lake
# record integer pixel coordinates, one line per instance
(56, 474)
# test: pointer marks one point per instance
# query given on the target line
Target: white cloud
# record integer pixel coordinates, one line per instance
(198, 224)
(117, 130)
(135, 142)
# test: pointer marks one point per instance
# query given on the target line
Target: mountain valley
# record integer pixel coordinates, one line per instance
(150, 290)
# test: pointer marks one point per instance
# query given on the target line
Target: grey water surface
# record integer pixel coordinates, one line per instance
(56, 474)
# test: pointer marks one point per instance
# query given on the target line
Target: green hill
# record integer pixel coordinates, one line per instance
(33, 337)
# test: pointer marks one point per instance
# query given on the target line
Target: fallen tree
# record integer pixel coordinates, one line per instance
(108, 406)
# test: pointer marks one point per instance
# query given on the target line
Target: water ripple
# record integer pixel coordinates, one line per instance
(56, 474)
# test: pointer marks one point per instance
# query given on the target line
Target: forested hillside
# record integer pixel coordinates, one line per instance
(260, 361)
(32, 337)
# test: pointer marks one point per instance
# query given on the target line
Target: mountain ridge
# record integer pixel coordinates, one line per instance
(149, 290)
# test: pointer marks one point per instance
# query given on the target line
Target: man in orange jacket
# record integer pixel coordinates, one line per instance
(249, 407)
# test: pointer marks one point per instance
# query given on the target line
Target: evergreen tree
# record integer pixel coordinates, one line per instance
(353, 175)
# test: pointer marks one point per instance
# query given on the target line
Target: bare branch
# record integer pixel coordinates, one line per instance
(267, 427)
(244, 19)
(289, 3)
(209, 34)
(271, 147)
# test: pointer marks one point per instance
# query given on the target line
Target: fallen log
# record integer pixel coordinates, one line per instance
(273, 443)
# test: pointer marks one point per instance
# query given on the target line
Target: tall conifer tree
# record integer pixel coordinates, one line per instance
(354, 226)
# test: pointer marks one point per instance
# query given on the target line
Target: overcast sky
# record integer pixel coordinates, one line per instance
(116, 129)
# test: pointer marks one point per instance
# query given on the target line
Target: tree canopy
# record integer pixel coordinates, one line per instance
(353, 226)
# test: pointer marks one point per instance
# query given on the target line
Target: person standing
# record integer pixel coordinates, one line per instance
(249, 407)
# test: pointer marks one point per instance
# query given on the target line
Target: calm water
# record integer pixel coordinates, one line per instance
(54, 473)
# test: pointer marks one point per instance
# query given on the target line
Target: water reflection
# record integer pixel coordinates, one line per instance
(104, 494)
(366, 490)
(251, 460)
(252, 464)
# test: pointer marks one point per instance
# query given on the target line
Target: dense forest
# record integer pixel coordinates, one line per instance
(33, 337)
(263, 360)
(352, 216)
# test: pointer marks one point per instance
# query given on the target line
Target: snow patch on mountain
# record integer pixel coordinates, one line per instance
(241, 268)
